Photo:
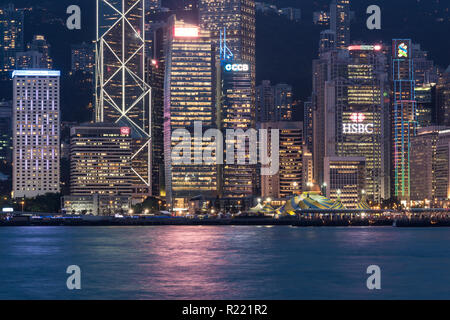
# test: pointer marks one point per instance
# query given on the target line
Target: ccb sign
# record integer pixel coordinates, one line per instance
(236, 67)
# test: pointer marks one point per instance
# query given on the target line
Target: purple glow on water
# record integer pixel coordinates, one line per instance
(171, 262)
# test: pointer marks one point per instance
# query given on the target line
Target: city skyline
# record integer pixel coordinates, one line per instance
(178, 72)
(224, 149)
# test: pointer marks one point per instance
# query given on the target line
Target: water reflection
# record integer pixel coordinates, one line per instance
(217, 262)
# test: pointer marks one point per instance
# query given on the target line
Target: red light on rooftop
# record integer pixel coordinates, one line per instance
(186, 32)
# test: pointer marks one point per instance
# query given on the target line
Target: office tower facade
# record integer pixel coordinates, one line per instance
(425, 72)
(308, 169)
(11, 38)
(321, 18)
(426, 105)
(403, 116)
(100, 160)
(442, 170)
(5, 147)
(350, 89)
(153, 4)
(265, 101)
(237, 17)
(340, 22)
(362, 118)
(308, 115)
(235, 111)
(100, 170)
(442, 95)
(122, 94)
(274, 103)
(423, 163)
(36, 127)
(29, 60)
(40, 44)
(345, 179)
(83, 58)
(283, 102)
(327, 41)
(155, 78)
(288, 181)
(6, 131)
(320, 77)
(188, 101)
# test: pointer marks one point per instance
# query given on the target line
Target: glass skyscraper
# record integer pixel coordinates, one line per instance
(122, 94)
(188, 100)
(403, 115)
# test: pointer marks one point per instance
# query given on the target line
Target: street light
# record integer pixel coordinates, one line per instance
(294, 184)
(324, 188)
(259, 200)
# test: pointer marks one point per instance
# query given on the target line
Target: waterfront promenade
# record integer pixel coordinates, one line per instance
(312, 218)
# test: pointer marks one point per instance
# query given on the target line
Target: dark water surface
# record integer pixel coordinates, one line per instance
(224, 262)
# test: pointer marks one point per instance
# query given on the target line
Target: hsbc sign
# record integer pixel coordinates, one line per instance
(236, 67)
(356, 126)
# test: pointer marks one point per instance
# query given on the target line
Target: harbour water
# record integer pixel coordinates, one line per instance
(224, 262)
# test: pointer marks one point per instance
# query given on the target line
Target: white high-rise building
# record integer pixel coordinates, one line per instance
(35, 133)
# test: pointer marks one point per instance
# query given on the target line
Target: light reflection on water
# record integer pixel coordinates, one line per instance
(218, 262)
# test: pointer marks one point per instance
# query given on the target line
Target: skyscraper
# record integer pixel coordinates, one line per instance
(122, 94)
(11, 37)
(5, 131)
(340, 22)
(350, 113)
(345, 179)
(273, 103)
(100, 156)
(236, 112)
(237, 17)
(40, 44)
(100, 169)
(83, 58)
(188, 100)
(403, 115)
(289, 179)
(36, 125)
(443, 99)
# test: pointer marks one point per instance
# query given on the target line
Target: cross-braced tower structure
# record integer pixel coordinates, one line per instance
(122, 94)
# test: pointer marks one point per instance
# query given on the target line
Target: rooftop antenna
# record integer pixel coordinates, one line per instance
(225, 52)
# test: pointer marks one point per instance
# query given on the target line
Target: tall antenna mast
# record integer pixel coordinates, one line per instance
(225, 52)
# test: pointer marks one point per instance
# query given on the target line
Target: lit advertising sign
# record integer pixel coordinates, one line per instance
(365, 47)
(357, 126)
(237, 67)
(402, 50)
(186, 32)
(125, 131)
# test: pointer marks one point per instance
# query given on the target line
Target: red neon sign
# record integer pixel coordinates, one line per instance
(358, 117)
(125, 131)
